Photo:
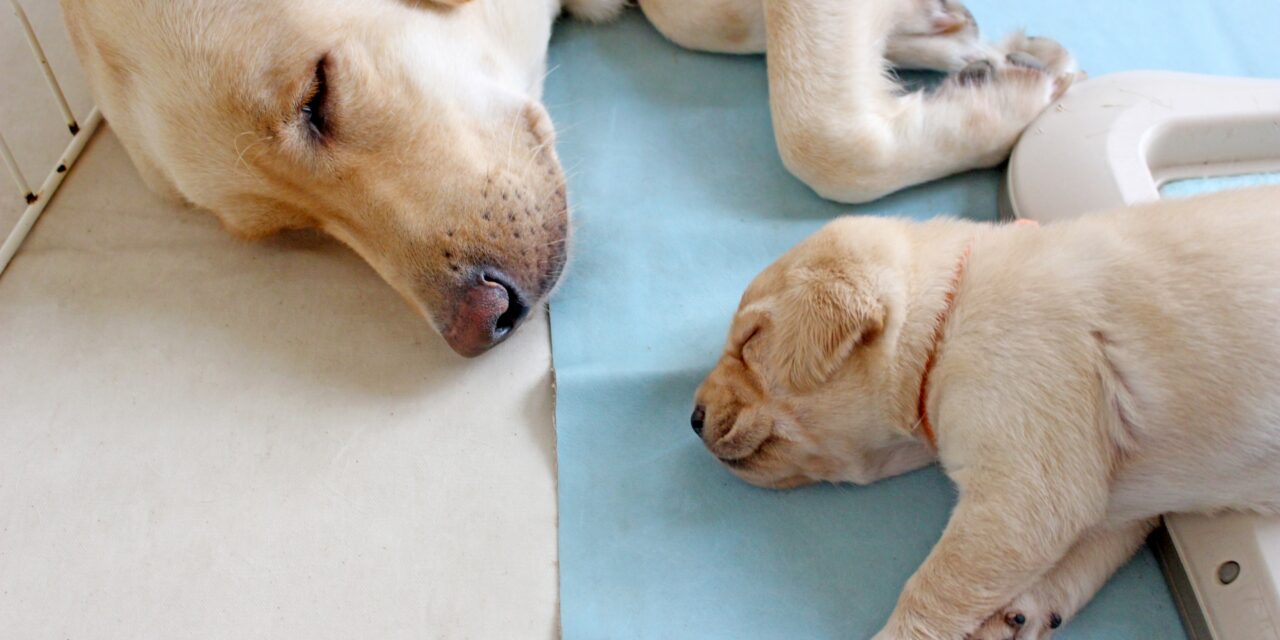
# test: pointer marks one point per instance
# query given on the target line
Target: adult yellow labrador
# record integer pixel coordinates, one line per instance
(1075, 381)
(412, 130)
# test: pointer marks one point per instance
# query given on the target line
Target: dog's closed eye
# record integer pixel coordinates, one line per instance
(747, 350)
(314, 110)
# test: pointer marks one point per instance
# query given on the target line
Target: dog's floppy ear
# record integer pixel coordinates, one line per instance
(825, 312)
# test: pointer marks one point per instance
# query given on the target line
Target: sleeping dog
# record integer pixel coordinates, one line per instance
(1075, 381)
(413, 130)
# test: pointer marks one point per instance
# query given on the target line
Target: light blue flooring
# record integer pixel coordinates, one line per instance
(680, 200)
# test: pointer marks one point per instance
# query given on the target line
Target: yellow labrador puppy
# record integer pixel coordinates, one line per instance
(1075, 381)
(413, 130)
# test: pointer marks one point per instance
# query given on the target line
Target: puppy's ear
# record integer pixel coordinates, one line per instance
(825, 312)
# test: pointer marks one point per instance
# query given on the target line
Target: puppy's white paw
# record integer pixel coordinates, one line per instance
(938, 35)
(1053, 58)
(937, 17)
(1026, 76)
(1023, 619)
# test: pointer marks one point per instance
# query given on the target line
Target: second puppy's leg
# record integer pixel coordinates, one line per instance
(844, 128)
(1033, 474)
(1066, 589)
(938, 35)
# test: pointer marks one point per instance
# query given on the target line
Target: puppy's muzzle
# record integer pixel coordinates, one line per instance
(728, 438)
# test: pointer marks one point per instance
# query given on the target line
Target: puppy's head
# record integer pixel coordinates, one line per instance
(404, 129)
(808, 388)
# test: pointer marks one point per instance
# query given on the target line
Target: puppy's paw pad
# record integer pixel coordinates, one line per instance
(1025, 60)
(976, 73)
(953, 18)
(1023, 619)
(938, 18)
(1052, 56)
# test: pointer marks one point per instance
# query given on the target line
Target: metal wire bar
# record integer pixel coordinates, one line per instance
(38, 51)
(37, 201)
(51, 184)
(24, 189)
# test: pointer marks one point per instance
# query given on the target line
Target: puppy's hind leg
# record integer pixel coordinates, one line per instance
(940, 35)
(1062, 592)
(978, 113)
(991, 551)
(1032, 483)
(845, 130)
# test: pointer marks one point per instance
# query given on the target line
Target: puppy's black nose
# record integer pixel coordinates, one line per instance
(699, 415)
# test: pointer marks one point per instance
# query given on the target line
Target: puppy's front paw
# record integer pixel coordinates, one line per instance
(1027, 74)
(1051, 56)
(1023, 619)
(936, 18)
(949, 16)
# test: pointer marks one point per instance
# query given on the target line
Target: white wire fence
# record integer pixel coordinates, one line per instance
(35, 200)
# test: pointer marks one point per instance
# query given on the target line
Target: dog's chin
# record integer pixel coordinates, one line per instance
(768, 480)
(788, 482)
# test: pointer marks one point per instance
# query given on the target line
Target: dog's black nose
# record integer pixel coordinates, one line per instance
(517, 305)
(699, 415)
(488, 309)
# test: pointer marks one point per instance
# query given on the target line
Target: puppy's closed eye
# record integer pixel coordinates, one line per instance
(749, 350)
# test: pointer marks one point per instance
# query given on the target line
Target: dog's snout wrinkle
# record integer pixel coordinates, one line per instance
(743, 461)
(743, 438)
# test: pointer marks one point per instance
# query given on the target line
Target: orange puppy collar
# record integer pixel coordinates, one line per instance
(922, 404)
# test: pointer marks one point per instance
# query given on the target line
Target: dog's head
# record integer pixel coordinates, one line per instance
(809, 388)
(403, 128)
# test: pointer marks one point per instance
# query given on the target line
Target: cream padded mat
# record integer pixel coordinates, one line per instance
(202, 438)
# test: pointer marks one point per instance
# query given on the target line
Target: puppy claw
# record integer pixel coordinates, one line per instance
(1025, 60)
(976, 73)
(1048, 54)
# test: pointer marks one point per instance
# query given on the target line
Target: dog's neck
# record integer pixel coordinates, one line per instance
(942, 248)
(923, 422)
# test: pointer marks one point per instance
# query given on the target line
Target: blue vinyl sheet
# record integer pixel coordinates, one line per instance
(680, 199)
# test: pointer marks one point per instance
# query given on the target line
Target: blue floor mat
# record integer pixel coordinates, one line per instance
(680, 199)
